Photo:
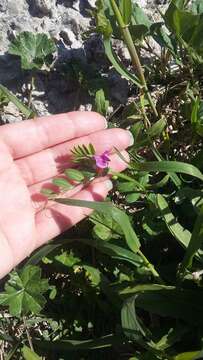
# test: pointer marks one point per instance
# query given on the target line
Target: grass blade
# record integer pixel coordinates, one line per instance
(118, 215)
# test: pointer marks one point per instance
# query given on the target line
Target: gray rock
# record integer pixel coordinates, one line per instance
(3, 5)
(42, 7)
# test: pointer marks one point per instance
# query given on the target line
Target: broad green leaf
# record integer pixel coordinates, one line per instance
(191, 355)
(134, 289)
(118, 215)
(127, 186)
(173, 336)
(35, 50)
(139, 17)
(188, 28)
(75, 345)
(174, 177)
(181, 234)
(195, 243)
(118, 65)
(101, 104)
(28, 113)
(67, 258)
(138, 32)
(24, 291)
(114, 251)
(131, 198)
(74, 174)
(131, 324)
(103, 25)
(28, 354)
(105, 227)
(169, 167)
(176, 303)
(93, 274)
(102, 232)
(157, 128)
(165, 40)
(47, 192)
(126, 10)
(62, 183)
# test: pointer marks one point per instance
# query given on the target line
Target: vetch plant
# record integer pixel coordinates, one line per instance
(127, 282)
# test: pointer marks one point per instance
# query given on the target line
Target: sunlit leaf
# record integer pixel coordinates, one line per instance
(35, 50)
(24, 291)
(28, 354)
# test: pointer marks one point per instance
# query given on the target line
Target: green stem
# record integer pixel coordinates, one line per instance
(134, 55)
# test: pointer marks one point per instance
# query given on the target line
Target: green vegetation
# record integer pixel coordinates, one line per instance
(127, 282)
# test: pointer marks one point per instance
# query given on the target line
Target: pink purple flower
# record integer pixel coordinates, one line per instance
(102, 160)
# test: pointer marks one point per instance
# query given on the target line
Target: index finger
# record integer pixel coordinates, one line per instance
(30, 136)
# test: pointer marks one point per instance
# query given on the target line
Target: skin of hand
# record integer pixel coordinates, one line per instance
(31, 154)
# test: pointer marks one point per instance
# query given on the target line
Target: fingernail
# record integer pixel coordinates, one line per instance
(108, 185)
(131, 142)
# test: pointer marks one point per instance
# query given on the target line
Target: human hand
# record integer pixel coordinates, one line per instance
(31, 153)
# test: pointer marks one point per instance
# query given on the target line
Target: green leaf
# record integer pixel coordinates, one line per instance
(126, 10)
(134, 289)
(3, 98)
(75, 345)
(62, 183)
(101, 104)
(172, 302)
(93, 274)
(102, 232)
(157, 128)
(118, 215)
(169, 167)
(103, 25)
(23, 291)
(35, 50)
(114, 251)
(191, 355)
(195, 242)
(130, 323)
(188, 28)
(131, 198)
(28, 354)
(23, 108)
(118, 66)
(67, 258)
(47, 249)
(74, 174)
(181, 234)
(140, 24)
(47, 192)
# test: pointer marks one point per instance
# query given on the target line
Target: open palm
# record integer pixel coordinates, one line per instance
(31, 153)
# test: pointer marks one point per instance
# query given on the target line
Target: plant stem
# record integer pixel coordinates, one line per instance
(134, 55)
(28, 334)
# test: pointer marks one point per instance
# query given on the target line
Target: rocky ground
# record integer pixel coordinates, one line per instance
(65, 21)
